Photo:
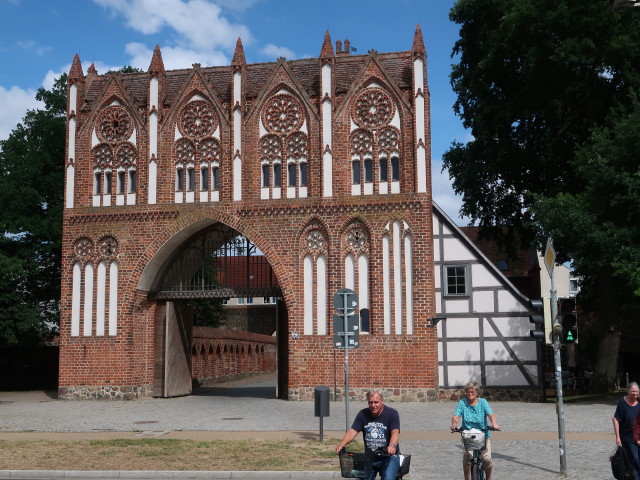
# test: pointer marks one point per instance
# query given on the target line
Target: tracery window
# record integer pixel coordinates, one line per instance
(286, 142)
(375, 144)
(115, 131)
(197, 153)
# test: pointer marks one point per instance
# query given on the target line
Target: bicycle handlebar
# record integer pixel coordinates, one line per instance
(488, 427)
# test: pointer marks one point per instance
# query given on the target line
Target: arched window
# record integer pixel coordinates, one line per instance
(368, 170)
(291, 173)
(265, 175)
(384, 169)
(355, 169)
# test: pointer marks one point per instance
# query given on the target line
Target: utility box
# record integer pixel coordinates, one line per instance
(322, 401)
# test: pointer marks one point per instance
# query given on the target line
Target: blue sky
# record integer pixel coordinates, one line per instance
(38, 39)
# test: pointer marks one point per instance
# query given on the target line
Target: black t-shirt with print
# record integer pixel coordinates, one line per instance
(377, 430)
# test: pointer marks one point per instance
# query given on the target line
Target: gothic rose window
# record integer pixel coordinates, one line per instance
(283, 114)
(373, 109)
(198, 119)
(115, 124)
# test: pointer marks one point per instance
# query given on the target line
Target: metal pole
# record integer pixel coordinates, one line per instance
(346, 362)
(558, 367)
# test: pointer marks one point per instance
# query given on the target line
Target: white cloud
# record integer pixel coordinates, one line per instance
(273, 51)
(198, 23)
(15, 103)
(173, 57)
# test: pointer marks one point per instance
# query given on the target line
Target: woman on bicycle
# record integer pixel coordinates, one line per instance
(474, 412)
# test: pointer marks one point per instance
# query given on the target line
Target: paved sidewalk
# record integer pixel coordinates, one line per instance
(527, 448)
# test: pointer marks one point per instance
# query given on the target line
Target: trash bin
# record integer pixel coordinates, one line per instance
(322, 401)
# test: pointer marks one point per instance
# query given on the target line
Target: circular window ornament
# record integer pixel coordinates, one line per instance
(115, 124)
(197, 120)
(373, 108)
(282, 114)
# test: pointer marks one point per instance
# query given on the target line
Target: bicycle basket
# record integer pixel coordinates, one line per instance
(473, 439)
(405, 464)
(355, 465)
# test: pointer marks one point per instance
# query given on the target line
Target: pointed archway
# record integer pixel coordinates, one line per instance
(211, 264)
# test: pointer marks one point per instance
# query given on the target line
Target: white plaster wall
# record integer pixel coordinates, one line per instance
(462, 327)
(463, 351)
(482, 277)
(509, 327)
(494, 351)
(483, 301)
(457, 306)
(454, 250)
(460, 375)
(508, 303)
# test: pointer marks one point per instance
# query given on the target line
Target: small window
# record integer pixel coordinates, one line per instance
(356, 172)
(132, 181)
(395, 169)
(97, 183)
(107, 183)
(455, 280)
(277, 175)
(240, 300)
(303, 174)
(291, 171)
(179, 179)
(191, 179)
(215, 176)
(204, 178)
(368, 170)
(121, 182)
(265, 175)
(384, 169)
(249, 300)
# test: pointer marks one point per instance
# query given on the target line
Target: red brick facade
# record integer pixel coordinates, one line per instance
(110, 128)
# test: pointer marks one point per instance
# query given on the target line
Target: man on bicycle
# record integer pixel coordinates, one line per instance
(381, 429)
(474, 412)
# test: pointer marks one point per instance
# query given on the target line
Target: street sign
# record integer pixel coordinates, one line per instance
(549, 257)
(353, 324)
(353, 331)
(345, 300)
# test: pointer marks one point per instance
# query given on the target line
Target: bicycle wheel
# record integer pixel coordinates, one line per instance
(477, 473)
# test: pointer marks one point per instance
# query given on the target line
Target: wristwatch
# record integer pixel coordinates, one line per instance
(392, 445)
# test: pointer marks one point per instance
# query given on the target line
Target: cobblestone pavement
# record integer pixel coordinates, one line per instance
(527, 448)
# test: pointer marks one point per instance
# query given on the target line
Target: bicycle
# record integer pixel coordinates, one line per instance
(360, 464)
(475, 441)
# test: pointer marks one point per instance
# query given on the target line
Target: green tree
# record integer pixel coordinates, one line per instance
(31, 180)
(548, 90)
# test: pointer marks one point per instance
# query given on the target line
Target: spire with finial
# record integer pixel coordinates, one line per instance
(238, 55)
(418, 42)
(75, 73)
(156, 67)
(327, 49)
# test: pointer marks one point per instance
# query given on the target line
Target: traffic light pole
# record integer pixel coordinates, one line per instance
(557, 335)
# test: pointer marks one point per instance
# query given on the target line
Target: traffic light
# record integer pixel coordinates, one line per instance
(569, 320)
(541, 318)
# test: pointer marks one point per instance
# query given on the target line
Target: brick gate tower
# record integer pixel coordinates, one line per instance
(322, 163)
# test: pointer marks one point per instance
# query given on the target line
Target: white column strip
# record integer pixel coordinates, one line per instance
(76, 294)
(101, 299)
(321, 297)
(386, 283)
(113, 299)
(308, 295)
(397, 278)
(88, 300)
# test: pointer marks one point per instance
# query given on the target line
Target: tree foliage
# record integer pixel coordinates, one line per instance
(31, 179)
(548, 89)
